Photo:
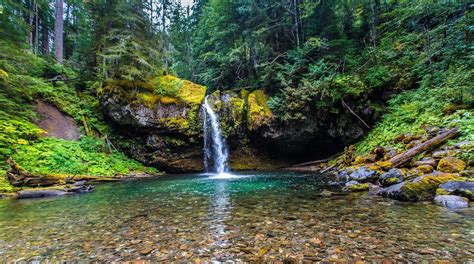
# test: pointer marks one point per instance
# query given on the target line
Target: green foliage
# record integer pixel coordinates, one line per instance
(5, 186)
(378, 77)
(21, 84)
(128, 58)
(428, 105)
(85, 157)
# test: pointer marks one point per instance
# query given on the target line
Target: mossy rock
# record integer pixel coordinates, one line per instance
(451, 164)
(425, 168)
(166, 89)
(361, 187)
(424, 187)
(259, 113)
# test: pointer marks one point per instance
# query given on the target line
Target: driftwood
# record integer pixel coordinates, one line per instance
(316, 162)
(17, 176)
(405, 157)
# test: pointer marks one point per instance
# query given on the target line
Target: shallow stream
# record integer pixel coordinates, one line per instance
(252, 217)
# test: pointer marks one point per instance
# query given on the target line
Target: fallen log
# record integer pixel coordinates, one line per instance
(17, 176)
(316, 162)
(405, 157)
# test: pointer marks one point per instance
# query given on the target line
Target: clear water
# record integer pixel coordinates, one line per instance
(215, 148)
(257, 217)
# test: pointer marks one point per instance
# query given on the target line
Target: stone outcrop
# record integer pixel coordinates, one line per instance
(160, 124)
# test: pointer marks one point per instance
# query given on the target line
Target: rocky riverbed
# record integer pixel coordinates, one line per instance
(256, 217)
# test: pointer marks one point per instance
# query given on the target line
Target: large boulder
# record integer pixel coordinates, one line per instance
(465, 189)
(393, 176)
(419, 189)
(360, 174)
(451, 201)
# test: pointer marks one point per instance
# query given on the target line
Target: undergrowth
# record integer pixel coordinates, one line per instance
(24, 78)
(87, 156)
(445, 101)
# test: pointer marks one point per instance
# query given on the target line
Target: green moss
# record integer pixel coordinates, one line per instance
(148, 99)
(391, 181)
(258, 112)
(358, 187)
(451, 164)
(177, 123)
(191, 93)
(441, 191)
(167, 89)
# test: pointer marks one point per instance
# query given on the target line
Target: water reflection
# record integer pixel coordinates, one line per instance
(220, 209)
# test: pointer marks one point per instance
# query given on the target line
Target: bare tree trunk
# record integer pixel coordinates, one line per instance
(45, 38)
(30, 23)
(151, 13)
(163, 24)
(36, 28)
(58, 31)
(375, 20)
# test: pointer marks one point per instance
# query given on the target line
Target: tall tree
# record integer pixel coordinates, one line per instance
(58, 31)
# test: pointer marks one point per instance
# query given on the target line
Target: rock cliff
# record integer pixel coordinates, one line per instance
(160, 124)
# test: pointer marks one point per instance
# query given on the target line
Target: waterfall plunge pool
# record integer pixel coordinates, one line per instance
(253, 216)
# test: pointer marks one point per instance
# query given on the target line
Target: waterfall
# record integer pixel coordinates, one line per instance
(215, 149)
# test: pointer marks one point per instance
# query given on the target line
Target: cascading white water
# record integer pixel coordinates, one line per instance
(215, 149)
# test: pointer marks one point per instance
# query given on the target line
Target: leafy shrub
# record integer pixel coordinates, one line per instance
(84, 157)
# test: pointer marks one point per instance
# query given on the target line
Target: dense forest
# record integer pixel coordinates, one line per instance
(407, 63)
(241, 131)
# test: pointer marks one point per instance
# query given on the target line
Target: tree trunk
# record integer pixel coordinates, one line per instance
(163, 24)
(30, 23)
(45, 37)
(58, 31)
(36, 28)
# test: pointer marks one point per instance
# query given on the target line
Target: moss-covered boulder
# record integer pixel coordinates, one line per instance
(451, 164)
(258, 113)
(393, 176)
(465, 189)
(418, 189)
(357, 187)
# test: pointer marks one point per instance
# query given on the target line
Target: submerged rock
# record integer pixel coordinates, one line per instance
(451, 201)
(393, 176)
(29, 194)
(465, 189)
(326, 193)
(451, 164)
